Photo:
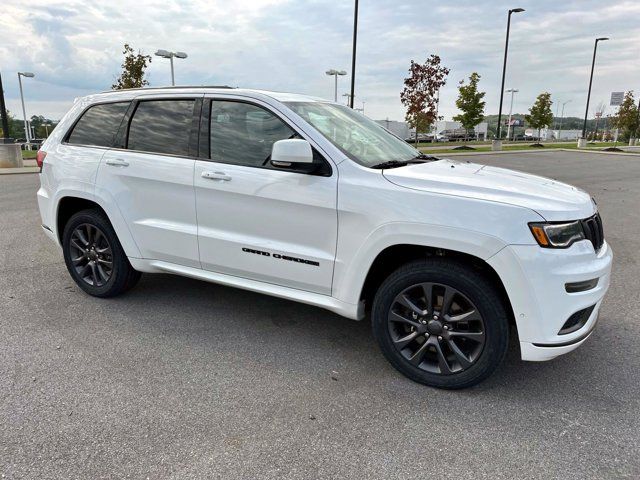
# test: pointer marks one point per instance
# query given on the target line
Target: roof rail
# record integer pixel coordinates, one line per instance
(175, 87)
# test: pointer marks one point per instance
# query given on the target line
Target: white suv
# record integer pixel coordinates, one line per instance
(305, 199)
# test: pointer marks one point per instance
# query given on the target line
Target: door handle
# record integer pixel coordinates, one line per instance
(216, 176)
(117, 162)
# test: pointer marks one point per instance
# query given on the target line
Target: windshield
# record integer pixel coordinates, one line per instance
(361, 139)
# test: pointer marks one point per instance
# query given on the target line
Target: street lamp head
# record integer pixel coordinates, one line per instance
(516, 10)
(163, 53)
(602, 39)
(342, 72)
(27, 74)
(331, 72)
(180, 55)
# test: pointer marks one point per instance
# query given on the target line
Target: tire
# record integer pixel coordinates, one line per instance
(451, 350)
(94, 257)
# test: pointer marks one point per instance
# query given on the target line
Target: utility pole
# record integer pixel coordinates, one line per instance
(562, 118)
(512, 91)
(583, 141)
(497, 143)
(353, 56)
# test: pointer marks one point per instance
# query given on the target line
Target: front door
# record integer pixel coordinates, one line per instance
(257, 221)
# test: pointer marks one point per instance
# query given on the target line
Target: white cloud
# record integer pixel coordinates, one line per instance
(74, 47)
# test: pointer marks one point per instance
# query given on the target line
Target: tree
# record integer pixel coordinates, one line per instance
(16, 127)
(42, 126)
(626, 118)
(133, 70)
(470, 102)
(420, 90)
(540, 114)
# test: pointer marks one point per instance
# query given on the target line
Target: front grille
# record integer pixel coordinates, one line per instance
(593, 231)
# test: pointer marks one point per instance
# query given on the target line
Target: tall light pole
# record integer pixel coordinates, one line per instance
(353, 55)
(24, 112)
(170, 55)
(582, 142)
(335, 73)
(497, 144)
(512, 91)
(562, 118)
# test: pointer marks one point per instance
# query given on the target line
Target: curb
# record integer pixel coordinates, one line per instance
(500, 152)
(18, 170)
(542, 150)
(635, 154)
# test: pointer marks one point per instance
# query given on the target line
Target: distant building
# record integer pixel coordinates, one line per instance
(402, 130)
(480, 130)
(549, 134)
(565, 134)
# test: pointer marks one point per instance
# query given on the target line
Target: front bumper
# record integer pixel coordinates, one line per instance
(535, 280)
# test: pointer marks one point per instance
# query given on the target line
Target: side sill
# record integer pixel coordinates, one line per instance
(348, 310)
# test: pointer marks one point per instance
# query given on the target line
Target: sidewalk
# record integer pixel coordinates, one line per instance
(30, 166)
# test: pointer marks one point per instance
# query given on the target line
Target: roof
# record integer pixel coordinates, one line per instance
(280, 96)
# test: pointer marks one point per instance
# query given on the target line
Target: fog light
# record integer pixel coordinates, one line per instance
(575, 287)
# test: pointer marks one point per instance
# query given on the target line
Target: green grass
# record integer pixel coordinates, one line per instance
(29, 154)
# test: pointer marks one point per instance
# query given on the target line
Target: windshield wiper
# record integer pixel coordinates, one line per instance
(422, 158)
(390, 164)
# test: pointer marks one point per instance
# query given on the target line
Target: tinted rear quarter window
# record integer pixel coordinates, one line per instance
(98, 125)
(161, 126)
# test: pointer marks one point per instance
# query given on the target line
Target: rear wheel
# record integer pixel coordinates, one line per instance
(440, 323)
(94, 257)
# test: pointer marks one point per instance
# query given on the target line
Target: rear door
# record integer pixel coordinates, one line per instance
(254, 220)
(150, 176)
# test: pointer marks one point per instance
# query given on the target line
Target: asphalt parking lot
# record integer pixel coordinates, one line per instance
(184, 379)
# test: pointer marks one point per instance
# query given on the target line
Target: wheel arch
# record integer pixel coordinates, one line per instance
(394, 256)
(71, 203)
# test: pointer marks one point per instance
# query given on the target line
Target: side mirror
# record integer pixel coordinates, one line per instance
(291, 153)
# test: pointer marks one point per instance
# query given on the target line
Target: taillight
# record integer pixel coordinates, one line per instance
(40, 158)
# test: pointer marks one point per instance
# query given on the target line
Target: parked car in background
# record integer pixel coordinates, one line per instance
(458, 134)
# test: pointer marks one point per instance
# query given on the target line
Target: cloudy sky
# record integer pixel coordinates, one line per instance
(75, 47)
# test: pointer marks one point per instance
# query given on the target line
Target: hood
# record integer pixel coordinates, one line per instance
(555, 201)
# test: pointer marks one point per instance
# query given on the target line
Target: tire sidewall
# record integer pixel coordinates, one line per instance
(94, 218)
(471, 284)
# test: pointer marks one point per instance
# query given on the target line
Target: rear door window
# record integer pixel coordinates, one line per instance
(98, 125)
(162, 126)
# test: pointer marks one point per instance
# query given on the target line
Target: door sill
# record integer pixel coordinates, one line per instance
(349, 310)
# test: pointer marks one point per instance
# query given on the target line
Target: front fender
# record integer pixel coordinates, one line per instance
(351, 271)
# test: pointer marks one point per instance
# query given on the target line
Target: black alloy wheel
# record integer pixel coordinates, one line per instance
(94, 256)
(436, 328)
(91, 255)
(441, 322)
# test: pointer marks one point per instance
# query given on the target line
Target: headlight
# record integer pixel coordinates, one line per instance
(557, 235)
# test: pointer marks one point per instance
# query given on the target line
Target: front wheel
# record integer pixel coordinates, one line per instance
(440, 323)
(94, 257)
